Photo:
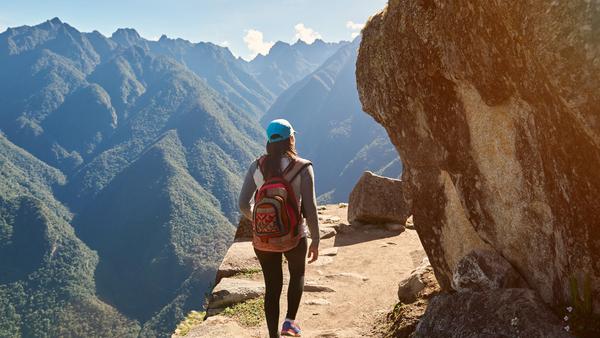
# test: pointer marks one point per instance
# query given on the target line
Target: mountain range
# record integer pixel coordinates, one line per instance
(340, 139)
(122, 160)
(286, 64)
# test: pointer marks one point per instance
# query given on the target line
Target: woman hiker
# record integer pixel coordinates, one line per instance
(278, 195)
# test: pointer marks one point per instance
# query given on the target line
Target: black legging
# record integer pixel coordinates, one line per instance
(272, 271)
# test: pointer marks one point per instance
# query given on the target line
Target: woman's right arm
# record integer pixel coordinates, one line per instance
(248, 189)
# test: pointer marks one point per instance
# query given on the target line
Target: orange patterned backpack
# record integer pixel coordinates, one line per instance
(276, 216)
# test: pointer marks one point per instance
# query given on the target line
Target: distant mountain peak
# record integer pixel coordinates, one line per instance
(300, 42)
(165, 39)
(52, 24)
(278, 48)
(128, 37)
(279, 45)
(317, 42)
(55, 21)
(126, 32)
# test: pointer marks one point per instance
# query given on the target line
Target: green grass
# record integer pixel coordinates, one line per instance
(249, 313)
(249, 273)
(192, 319)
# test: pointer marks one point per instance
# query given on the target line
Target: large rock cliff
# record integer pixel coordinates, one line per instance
(494, 109)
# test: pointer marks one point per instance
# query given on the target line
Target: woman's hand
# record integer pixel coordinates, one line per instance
(313, 252)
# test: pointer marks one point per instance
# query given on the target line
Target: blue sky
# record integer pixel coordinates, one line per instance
(245, 26)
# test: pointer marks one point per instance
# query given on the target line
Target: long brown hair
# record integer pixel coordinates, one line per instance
(275, 151)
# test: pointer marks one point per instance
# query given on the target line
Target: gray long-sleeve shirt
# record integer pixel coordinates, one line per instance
(306, 196)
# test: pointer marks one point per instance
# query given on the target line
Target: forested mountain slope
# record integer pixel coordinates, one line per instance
(47, 283)
(285, 64)
(149, 158)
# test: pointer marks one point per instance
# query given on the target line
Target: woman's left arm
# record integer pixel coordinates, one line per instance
(309, 208)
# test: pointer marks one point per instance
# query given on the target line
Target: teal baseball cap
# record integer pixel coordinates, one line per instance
(279, 130)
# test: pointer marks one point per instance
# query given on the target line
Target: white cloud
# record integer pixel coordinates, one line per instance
(355, 27)
(225, 44)
(256, 42)
(306, 34)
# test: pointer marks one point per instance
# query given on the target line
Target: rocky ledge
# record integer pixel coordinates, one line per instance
(359, 263)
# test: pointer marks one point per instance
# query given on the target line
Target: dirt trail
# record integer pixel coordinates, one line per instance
(365, 272)
(382, 256)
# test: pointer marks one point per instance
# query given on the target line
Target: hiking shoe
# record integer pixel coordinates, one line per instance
(291, 329)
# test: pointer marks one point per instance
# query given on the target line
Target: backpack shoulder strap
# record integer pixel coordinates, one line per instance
(260, 163)
(294, 170)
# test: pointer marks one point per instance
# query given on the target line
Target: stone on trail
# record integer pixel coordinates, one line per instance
(331, 219)
(348, 275)
(318, 301)
(315, 287)
(377, 199)
(327, 233)
(394, 227)
(492, 313)
(329, 251)
(219, 327)
(410, 287)
(343, 228)
(231, 291)
(239, 258)
(484, 270)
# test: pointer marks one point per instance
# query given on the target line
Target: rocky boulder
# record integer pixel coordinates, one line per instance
(377, 199)
(239, 259)
(231, 291)
(485, 270)
(414, 294)
(410, 287)
(493, 107)
(493, 313)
